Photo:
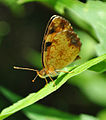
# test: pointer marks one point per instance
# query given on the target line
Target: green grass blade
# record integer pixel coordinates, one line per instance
(100, 67)
(37, 111)
(34, 97)
(40, 112)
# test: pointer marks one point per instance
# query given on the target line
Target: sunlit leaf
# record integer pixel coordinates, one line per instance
(40, 112)
(49, 88)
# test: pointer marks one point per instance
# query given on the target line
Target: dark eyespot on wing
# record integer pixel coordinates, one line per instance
(47, 45)
(62, 25)
(51, 31)
(74, 40)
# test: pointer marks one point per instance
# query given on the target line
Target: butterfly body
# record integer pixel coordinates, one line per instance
(45, 73)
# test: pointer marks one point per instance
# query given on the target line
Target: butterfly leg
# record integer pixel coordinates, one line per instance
(46, 81)
(52, 80)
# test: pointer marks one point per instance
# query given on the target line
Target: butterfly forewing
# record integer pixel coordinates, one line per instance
(60, 45)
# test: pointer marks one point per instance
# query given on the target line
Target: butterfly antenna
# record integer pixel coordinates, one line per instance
(22, 68)
(46, 81)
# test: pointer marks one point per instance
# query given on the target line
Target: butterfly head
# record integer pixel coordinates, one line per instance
(42, 73)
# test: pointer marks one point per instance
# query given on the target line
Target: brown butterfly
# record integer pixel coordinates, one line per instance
(60, 47)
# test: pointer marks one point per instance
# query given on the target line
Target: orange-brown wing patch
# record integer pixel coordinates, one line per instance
(63, 50)
(55, 25)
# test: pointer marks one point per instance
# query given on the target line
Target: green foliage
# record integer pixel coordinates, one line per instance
(102, 114)
(49, 88)
(91, 21)
(101, 67)
(93, 85)
(40, 112)
(90, 17)
(15, 8)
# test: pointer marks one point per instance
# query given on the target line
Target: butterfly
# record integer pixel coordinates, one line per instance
(60, 47)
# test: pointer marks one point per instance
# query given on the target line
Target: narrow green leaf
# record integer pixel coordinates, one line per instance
(100, 67)
(34, 97)
(40, 112)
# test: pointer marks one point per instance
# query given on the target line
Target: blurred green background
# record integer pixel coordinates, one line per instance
(22, 26)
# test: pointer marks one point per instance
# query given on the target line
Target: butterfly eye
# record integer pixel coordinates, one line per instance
(42, 73)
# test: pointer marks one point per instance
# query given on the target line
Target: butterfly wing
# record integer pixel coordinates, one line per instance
(60, 45)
